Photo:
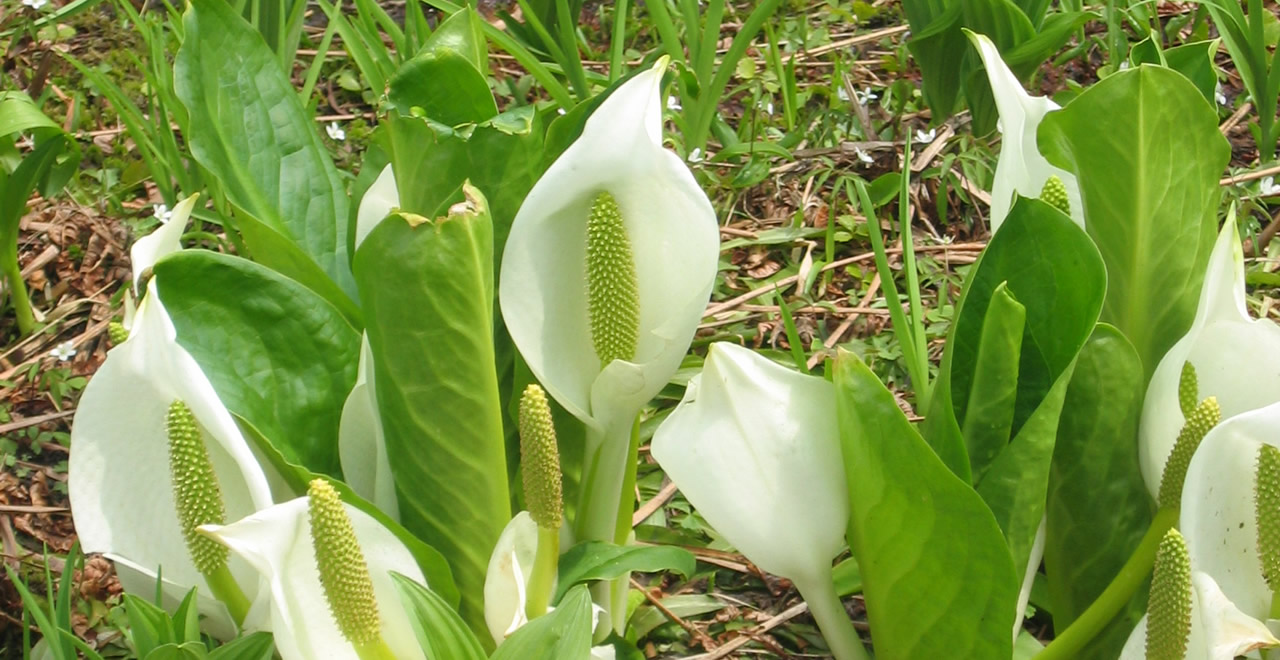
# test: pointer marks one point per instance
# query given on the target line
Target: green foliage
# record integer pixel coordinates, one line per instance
(1149, 183)
(1250, 45)
(596, 560)
(564, 633)
(427, 290)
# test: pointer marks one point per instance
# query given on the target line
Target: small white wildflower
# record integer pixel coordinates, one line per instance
(64, 351)
(1219, 96)
(863, 156)
(1124, 65)
(673, 104)
(768, 107)
(560, 110)
(335, 131)
(695, 156)
(841, 94)
(1267, 187)
(865, 96)
(925, 138)
(36, 4)
(162, 213)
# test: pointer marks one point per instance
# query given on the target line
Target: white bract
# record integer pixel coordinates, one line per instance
(1236, 358)
(1219, 630)
(674, 242)
(165, 240)
(277, 543)
(748, 420)
(1020, 169)
(119, 483)
(507, 580)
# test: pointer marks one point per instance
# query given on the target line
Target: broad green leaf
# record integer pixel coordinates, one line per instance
(1003, 22)
(193, 650)
(648, 617)
(988, 422)
(563, 633)
(1146, 149)
(502, 157)
(146, 621)
(1096, 491)
(249, 129)
(1050, 265)
(938, 46)
(937, 577)
(463, 32)
(427, 287)
(19, 114)
(1024, 58)
(295, 480)
(257, 646)
(1194, 60)
(596, 560)
(294, 354)
(442, 634)
(444, 86)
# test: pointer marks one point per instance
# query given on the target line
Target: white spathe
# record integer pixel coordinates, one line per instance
(277, 543)
(1218, 517)
(1236, 358)
(377, 203)
(1219, 630)
(1020, 169)
(166, 239)
(507, 580)
(675, 246)
(747, 420)
(119, 484)
(362, 447)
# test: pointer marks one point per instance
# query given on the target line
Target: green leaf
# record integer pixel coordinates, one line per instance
(427, 287)
(248, 128)
(19, 114)
(256, 646)
(1096, 490)
(1146, 149)
(937, 577)
(1195, 61)
(294, 355)
(502, 157)
(596, 560)
(446, 80)
(173, 651)
(146, 621)
(938, 47)
(988, 422)
(563, 633)
(442, 634)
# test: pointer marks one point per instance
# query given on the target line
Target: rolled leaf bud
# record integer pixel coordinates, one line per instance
(1188, 389)
(116, 333)
(1055, 194)
(343, 571)
(1267, 506)
(196, 494)
(540, 459)
(1203, 418)
(1169, 606)
(613, 299)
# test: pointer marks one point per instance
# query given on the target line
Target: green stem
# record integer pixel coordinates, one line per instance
(18, 289)
(375, 650)
(603, 473)
(225, 588)
(618, 43)
(1117, 594)
(538, 596)
(833, 620)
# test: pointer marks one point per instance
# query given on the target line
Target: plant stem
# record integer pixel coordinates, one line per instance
(225, 588)
(833, 620)
(1117, 594)
(544, 572)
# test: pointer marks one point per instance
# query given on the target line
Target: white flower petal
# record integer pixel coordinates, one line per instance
(362, 448)
(747, 420)
(1219, 631)
(1218, 517)
(1237, 358)
(166, 238)
(378, 200)
(507, 579)
(1021, 169)
(119, 484)
(674, 241)
(277, 542)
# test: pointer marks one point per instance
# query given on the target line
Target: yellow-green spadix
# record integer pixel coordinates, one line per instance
(122, 495)
(1234, 358)
(561, 304)
(281, 544)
